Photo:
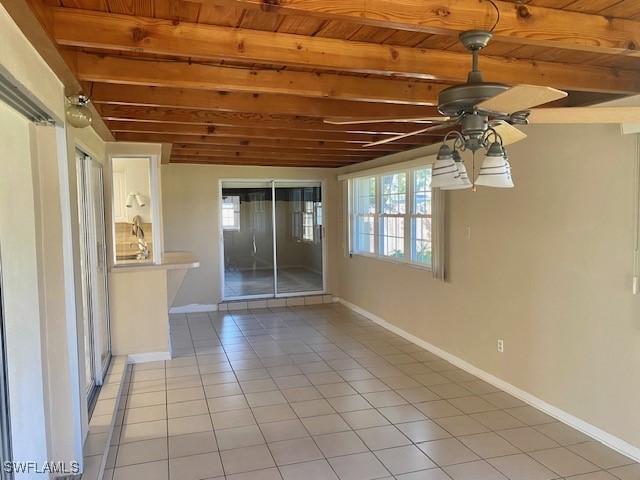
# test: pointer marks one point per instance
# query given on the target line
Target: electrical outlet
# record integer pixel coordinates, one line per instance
(500, 345)
(468, 232)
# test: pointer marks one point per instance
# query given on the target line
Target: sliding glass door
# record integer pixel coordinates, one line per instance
(298, 237)
(97, 347)
(247, 229)
(272, 238)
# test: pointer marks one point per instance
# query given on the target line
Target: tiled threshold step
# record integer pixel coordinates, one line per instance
(275, 302)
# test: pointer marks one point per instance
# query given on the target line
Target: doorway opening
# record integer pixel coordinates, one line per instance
(272, 239)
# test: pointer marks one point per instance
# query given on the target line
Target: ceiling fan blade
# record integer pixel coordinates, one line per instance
(410, 134)
(585, 115)
(356, 121)
(521, 97)
(509, 133)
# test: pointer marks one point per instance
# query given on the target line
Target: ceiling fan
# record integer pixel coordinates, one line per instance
(486, 113)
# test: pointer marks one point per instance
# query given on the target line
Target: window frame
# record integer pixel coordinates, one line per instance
(384, 215)
(409, 217)
(355, 215)
(414, 216)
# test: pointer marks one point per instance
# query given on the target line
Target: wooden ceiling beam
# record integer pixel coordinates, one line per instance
(278, 143)
(254, 162)
(518, 23)
(203, 117)
(126, 125)
(257, 132)
(137, 71)
(125, 33)
(403, 144)
(258, 103)
(204, 149)
(269, 156)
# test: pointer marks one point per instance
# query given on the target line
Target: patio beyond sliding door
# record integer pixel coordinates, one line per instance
(272, 238)
(247, 231)
(299, 239)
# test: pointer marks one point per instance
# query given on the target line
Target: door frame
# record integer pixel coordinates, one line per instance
(5, 413)
(275, 294)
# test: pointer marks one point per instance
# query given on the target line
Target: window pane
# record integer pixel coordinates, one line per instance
(365, 195)
(365, 238)
(364, 210)
(422, 191)
(307, 221)
(421, 240)
(394, 193)
(231, 212)
(393, 236)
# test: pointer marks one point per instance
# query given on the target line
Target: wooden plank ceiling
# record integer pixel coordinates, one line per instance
(249, 81)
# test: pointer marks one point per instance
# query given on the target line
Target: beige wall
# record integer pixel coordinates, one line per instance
(191, 209)
(139, 311)
(548, 269)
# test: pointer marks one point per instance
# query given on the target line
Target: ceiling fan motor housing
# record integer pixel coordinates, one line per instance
(459, 99)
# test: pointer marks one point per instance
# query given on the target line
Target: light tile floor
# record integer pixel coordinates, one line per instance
(315, 393)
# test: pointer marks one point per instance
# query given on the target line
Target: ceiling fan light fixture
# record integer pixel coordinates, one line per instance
(78, 113)
(444, 170)
(496, 170)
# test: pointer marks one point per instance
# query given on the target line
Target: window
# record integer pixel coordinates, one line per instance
(421, 251)
(231, 212)
(391, 215)
(307, 222)
(393, 207)
(364, 215)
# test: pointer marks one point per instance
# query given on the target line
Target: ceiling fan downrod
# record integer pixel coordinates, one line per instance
(475, 41)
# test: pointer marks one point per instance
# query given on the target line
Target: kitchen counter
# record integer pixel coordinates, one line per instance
(170, 261)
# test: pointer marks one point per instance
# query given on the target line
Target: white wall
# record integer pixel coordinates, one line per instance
(136, 176)
(548, 269)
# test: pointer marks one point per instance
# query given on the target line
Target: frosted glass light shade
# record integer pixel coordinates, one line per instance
(495, 171)
(140, 200)
(130, 199)
(463, 180)
(77, 113)
(444, 171)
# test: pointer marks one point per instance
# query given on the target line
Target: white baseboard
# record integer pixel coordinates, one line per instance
(148, 357)
(194, 308)
(592, 431)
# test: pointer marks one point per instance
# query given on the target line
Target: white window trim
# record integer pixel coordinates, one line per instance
(437, 216)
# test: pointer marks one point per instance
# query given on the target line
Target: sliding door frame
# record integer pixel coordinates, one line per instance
(92, 262)
(274, 184)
